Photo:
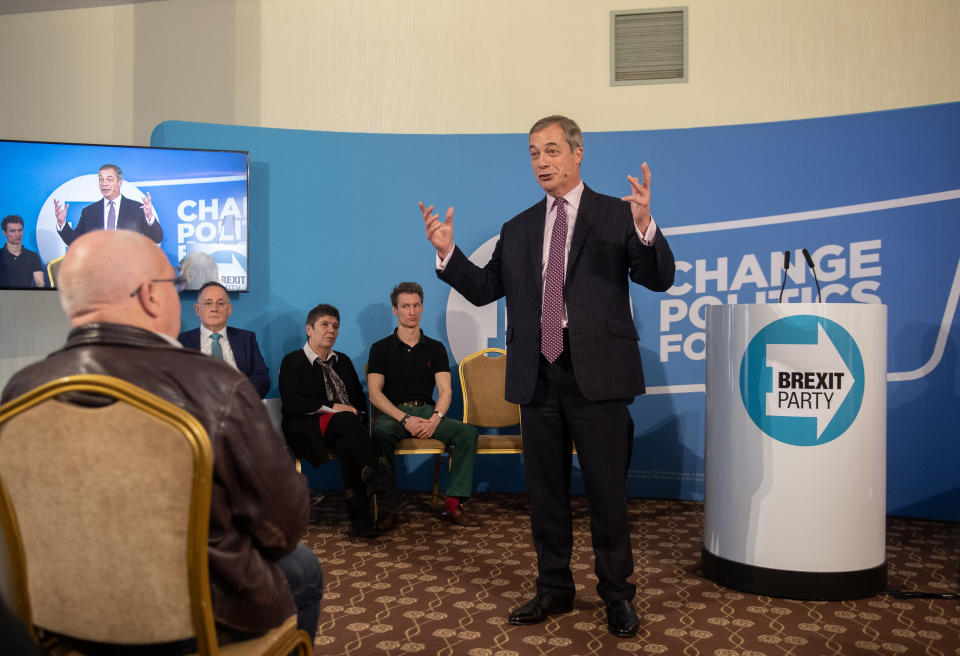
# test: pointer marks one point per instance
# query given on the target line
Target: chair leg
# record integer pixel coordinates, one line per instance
(436, 479)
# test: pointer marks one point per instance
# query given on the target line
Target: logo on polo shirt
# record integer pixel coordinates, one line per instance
(801, 380)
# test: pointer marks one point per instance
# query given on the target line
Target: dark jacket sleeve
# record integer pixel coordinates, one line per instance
(652, 266)
(267, 496)
(135, 219)
(297, 391)
(68, 234)
(257, 370)
(479, 285)
(298, 400)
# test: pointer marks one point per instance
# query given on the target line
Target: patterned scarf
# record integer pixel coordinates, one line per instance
(333, 385)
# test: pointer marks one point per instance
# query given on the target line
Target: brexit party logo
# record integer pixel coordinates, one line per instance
(801, 380)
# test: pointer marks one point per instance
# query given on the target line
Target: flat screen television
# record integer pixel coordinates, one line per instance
(199, 200)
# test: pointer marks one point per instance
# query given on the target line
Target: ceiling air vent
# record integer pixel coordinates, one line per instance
(648, 46)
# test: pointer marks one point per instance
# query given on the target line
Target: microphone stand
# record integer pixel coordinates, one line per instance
(786, 265)
(806, 256)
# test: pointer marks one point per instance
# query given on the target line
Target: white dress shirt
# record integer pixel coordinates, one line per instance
(206, 343)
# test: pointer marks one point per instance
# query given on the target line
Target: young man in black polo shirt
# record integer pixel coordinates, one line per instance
(402, 371)
(19, 266)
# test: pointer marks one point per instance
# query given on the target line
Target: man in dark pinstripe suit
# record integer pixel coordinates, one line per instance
(582, 394)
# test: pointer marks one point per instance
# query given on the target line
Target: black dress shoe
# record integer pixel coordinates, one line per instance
(622, 619)
(539, 608)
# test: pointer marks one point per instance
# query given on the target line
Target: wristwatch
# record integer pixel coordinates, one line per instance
(438, 413)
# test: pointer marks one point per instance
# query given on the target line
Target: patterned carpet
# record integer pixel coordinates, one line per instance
(429, 587)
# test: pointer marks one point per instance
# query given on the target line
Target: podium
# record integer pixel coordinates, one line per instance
(795, 500)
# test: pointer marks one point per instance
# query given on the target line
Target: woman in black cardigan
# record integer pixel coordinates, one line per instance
(324, 415)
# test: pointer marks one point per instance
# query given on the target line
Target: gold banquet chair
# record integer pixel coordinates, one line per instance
(415, 446)
(483, 380)
(105, 504)
(53, 269)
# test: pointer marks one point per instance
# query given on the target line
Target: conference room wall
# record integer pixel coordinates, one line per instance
(110, 74)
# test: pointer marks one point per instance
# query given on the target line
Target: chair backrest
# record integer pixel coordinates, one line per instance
(53, 270)
(483, 380)
(106, 513)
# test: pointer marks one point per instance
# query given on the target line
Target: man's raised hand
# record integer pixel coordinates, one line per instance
(61, 211)
(148, 207)
(440, 233)
(639, 198)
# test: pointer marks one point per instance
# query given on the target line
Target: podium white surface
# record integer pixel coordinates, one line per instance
(795, 502)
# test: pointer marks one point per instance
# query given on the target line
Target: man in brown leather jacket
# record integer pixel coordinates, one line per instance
(120, 293)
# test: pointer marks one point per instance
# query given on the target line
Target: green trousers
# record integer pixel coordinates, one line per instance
(388, 431)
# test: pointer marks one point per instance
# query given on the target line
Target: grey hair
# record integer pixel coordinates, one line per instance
(571, 131)
(116, 170)
(199, 268)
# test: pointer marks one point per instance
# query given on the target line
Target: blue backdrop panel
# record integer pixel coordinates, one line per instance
(874, 197)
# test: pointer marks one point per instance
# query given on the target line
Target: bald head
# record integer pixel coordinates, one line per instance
(100, 271)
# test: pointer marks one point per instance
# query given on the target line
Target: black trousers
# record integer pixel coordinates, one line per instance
(602, 431)
(347, 436)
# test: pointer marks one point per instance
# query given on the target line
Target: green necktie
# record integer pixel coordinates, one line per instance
(215, 349)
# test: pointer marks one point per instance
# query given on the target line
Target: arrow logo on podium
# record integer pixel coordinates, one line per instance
(802, 380)
(809, 380)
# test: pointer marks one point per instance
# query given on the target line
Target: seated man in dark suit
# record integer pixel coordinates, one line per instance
(236, 347)
(325, 410)
(120, 293)
(114, 212)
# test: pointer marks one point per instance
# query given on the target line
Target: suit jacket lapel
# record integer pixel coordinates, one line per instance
(239, 356)
(121, 212)
(100, 220)
(535, 227)
(582, 227)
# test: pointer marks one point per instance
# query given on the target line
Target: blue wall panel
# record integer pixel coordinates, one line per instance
(875, 197)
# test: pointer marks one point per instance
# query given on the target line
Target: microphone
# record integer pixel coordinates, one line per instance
(786, 265)
(806, 256)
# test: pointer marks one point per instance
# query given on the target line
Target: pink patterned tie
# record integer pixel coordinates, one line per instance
(551, 329)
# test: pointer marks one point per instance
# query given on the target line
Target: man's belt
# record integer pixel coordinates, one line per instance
(414, 403)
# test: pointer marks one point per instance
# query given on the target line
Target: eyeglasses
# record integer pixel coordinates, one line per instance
(209, 305)
(179, 283)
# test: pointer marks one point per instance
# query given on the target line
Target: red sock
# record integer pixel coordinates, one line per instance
(452, 503)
